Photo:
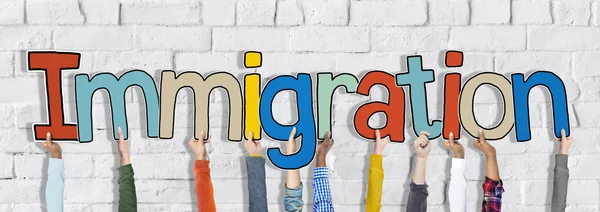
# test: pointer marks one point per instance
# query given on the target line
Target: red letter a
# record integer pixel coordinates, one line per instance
(393, 109)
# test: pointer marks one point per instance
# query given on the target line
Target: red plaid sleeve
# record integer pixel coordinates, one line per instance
(492, 195)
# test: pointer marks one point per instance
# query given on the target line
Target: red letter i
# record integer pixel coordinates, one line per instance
(52, 63)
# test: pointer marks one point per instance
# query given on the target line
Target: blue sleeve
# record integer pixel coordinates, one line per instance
(55, 185)
(293, 199)
(321, 191)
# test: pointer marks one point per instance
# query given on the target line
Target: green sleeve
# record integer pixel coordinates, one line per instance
(127, 198)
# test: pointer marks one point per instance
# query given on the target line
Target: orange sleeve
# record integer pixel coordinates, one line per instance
(204, 188)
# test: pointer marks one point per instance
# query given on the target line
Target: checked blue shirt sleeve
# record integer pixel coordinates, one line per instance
(321, 191)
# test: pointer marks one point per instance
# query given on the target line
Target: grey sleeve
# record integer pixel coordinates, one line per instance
(417, 198)
(561, 180)
(257, 189)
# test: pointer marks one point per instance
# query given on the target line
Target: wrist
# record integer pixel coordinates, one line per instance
(200, 157)
(125, 161)
(321, 162)
(563, 152)
(56, 155)
(459, 155)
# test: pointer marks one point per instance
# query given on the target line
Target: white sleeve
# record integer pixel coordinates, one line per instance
(457, 191)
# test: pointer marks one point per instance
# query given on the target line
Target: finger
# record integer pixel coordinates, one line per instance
(328, 135)
(424, 133)
(481, 136)
(292, 134)
(250, 136)
(209, 139)
(120, 132)
(201, 136)
(377, 135)
(425, 143)
(48, 139)
(451, 137)
(563, 135)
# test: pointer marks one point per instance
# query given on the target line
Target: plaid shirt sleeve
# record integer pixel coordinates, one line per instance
(492, 195)
(322, 194)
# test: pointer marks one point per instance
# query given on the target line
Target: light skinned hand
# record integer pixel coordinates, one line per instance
(53, 148)
(483, 146)
(291, 146)
(253, 147)
(123, 148)
(565, 143)
(455, 147)
(421, 145)
(199, 146)
(379, 143)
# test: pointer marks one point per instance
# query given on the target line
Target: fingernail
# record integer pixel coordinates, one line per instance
(48, 134)
(451, 134)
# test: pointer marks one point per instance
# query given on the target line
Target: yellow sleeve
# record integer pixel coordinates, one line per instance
(375, 183)
(256, 155)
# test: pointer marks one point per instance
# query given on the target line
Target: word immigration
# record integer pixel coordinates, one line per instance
(250, 109)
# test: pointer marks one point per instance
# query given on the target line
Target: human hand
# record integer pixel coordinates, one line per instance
(291, 145)
(455, 147)
(421, 145)
(483, 146)
(322, 150)
(123, 146)
(53, 148)
(565, 143)
(199, 146)
(253, 147)
(379, 143)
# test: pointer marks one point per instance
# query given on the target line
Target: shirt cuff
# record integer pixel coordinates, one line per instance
(414, 186)
(377, 161)
(126, 170)
(492, 188)
(321, 172)
(293, 192)
(201, 164)
(458, 163)
(55, 162)
(562, 160)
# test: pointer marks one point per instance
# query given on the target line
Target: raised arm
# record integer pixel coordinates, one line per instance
(376, 174)
(293, 186)
(457, 191)
(257, 188)
(417, 198)
(204, 188)
(321, 191)
(56, 178)
(492, 187)
(561, 174)
(127, 196)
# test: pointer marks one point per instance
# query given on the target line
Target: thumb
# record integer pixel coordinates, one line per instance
(292, 134)
(120, 132)
(48, 139)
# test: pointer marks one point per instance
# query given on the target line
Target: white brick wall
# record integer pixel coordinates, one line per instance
(296, 36)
